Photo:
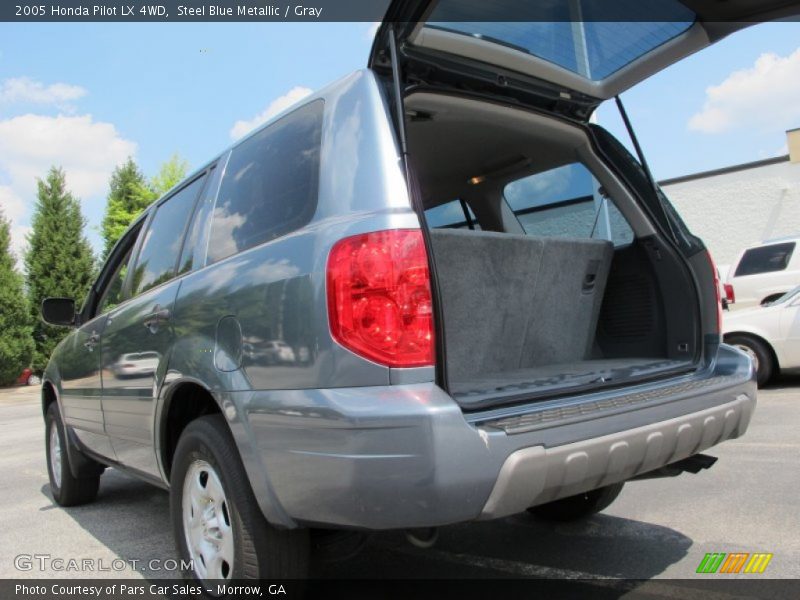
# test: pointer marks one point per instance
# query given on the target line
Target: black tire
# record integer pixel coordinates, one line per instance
(72, 491)
(765, 366)
(578, 507)
(260, 551)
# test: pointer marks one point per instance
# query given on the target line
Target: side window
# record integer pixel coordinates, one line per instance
(112, 295)
(765, 259)
(158, 256)
(566, 202)
(451, 215)
(270, 184)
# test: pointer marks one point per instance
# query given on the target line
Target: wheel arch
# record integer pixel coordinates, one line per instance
(759, 338)
(49, 395)
(171, 420)
(80, 464)
(185, 401)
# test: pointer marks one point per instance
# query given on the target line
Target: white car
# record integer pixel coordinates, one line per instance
(136, 364)
(769, 334)
(763, 272)
(278, 351)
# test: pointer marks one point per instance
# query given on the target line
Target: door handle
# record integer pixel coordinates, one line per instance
(153, 320)
(92, 341)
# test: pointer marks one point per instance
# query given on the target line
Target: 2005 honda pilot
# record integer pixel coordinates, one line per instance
(432, 293)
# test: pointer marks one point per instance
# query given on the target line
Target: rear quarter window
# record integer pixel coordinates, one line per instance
(270, 184)
(565, 202)
(455, 214)
(765, 259)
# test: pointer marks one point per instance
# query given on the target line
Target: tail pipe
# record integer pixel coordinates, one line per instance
(422, 537)
(693, 464)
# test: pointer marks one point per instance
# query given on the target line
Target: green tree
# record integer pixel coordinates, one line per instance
(129, 194)
(170, 174)
(16, 343)
(59, 260)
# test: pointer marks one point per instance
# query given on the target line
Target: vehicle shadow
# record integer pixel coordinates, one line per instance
(523, 547)
(131, 519)
(786, 379)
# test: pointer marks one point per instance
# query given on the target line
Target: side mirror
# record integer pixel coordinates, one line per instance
(59, 311)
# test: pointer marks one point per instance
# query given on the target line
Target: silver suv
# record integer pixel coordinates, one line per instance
(432, 293)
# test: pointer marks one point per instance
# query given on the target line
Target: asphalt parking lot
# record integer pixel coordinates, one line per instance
(657, 529)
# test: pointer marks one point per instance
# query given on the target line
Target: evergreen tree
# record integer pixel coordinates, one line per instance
(59, 260)
(170, 174)
(129, 194)
(16, 343)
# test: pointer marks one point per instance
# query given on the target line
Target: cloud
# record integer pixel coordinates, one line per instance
(30, 144)
(86, 149)
(13, 208)
(763, 96)
(24, 89)
(12, 205)
(278, 105)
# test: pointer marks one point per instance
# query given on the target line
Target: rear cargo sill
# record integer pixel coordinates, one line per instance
(522, 419)
(515, 402)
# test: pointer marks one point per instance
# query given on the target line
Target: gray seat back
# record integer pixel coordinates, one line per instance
(515, 301)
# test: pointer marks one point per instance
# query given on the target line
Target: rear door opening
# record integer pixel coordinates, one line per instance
(551, 277)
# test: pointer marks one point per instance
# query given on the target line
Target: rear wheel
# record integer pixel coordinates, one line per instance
(67, 489)
(758, 353)
(580, 506)
(216, 519)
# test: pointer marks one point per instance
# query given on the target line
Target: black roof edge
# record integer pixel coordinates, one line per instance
(725, 170)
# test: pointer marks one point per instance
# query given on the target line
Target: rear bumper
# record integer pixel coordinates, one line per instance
(407, 456)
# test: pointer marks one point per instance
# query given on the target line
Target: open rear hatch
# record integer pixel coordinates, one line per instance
(553, 273)
(567, 55)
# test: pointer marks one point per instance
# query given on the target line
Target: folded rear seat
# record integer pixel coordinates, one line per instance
(514, 301)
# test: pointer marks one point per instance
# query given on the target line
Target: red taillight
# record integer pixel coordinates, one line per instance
(379, 297)
(730, 295)
(716, 291)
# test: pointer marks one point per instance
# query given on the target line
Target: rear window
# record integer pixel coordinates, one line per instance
(566, 202)
(270, 184)
(580, 36)
(765, 259)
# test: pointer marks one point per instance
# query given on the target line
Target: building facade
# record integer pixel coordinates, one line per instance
(741, 205)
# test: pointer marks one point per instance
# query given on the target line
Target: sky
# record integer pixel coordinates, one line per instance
(87, 96)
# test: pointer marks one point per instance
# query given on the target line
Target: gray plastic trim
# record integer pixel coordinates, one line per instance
(538, 475)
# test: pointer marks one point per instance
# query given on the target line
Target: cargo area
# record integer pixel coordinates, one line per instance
(551, 278)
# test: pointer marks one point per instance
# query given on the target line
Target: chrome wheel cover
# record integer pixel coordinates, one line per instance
(55, 454)
(207, 523)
